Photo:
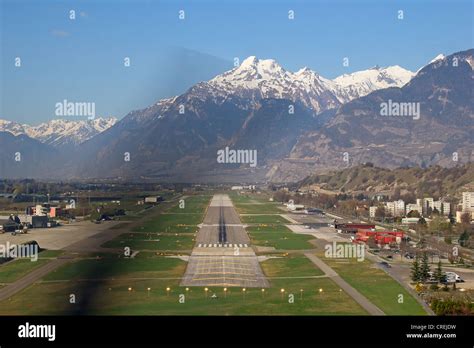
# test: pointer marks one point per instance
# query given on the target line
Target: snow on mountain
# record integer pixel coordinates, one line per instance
(361, 83)
(60, 132)
(264, 78)
(438, 57)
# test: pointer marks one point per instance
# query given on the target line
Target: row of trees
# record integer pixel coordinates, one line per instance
(420, 270)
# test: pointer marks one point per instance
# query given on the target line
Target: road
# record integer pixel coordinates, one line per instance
(345, 286)
(222, 255)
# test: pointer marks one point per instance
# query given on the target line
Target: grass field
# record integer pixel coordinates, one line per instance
(148, 267)
(261, 208)
(278, 237)
(126, 291)
(14, 270)
(50, 254)
(176, 219)
(152, 241)
(171, 223)
(263, 219)
(192, 204)
(293, 265)
(377, 286)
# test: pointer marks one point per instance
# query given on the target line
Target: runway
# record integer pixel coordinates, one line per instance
(222, 255)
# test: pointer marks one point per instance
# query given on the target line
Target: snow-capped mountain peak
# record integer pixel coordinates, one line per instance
(265, 78)
(361, 83)
(438, 57)
(60, 132)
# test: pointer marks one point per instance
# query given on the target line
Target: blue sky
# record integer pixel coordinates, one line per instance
(82, 59)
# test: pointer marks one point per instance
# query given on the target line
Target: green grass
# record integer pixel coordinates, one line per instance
(112, 297)
(377, 286)
(149, 241)
(50, 253)
(281, 240)
(14, 270)
(171, 223)
(247, 198)
(290, 266)
(268, 228)
(263, 219)
(151, 267)
(262, 208)
(192, 204)
(278, 237)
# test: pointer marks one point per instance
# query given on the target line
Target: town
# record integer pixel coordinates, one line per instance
(423, 247)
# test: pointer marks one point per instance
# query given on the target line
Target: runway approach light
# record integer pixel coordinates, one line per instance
(321, 290)
(130, 289)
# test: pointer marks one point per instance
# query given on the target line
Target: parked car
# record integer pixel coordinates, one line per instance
(452, 277)
(385, 264)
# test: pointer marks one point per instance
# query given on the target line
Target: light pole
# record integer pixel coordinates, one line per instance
(225, 292)
(282, 291)
(206, 290)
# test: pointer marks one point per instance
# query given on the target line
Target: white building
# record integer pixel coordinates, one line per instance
(396, 208)
(419, 202)
(390, 207)
(446, 208)
(468, 201)
(399, 207)
(372, 211)
(414, 207)
(429, 201)
(153, 199)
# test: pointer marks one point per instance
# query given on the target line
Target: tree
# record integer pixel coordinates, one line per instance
(424, 268)
(380, 212)
(439, 274)
(466, 218)
(422, 222)
(415, 270)
(414, 213)
(463, 238)
(451, 218)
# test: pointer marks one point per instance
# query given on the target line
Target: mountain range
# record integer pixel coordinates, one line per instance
(60, 132)
(299, 123)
